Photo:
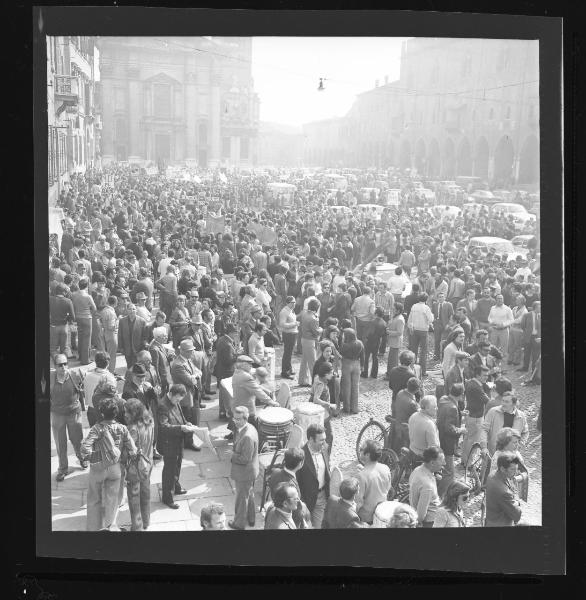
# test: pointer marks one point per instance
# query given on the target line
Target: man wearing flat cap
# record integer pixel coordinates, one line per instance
(184, 371)
(247, 390)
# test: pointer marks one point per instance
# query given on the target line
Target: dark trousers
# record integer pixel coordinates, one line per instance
(531, 352)
(418, 342)
(329, 435)
(368, 352)
(437, 338)
(289, 340)
(84, 332)
(63, 426)
(383, 340)
(170, 475)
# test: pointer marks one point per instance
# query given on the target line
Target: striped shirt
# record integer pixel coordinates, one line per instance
(384, 300)
(205, 260)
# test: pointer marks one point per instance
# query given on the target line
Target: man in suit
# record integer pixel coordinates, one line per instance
(477, 397)
(292, 461)
(172, 429)
(285, 501)
(458, 373)
(531, 325)
(469, 303)
(503, 508)
(442, 311)
(131, 335)
(314, 475)
(185, 372)
(340, 511)
(483, 358)
(226, 354)
(244, 469)
(160, 358)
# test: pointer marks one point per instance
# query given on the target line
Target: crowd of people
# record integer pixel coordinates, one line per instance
(138, 273)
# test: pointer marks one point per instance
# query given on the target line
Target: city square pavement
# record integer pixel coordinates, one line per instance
(205, 474)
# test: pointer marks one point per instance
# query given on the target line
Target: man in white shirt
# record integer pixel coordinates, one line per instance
(419, 322)
(397, 284)
(288, 326)
(423, 432)
(500, 319)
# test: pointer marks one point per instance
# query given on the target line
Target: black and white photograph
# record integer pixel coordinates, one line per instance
(294, 283)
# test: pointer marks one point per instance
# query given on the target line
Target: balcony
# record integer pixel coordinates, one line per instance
(66, 88)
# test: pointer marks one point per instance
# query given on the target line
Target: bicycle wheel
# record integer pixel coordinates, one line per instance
(473, 473)
(373, 430)
(390, 458)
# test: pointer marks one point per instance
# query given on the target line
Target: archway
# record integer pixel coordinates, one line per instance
(481, 158)
(420, 160)
(504, 154)
(405, 155)
(434, 164)
(529, 161)
(464, 165)
(449, 162)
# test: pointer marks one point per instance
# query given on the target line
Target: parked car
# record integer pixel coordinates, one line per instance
(522, 241)
(446, 211)
(519, 213)
(385, 271)
(483, 196)
(500, 245)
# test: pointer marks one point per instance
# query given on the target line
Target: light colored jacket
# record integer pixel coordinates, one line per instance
(494, 421)
(245, 456)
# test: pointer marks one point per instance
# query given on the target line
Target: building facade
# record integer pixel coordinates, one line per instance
(460, 107)
(280, 145)
(173, 100)
(73, 118)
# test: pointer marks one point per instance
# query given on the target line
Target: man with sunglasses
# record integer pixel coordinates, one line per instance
(66, 413)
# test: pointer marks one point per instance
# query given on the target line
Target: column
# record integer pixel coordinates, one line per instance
(215, 132)
(134, 115)
(190, 116)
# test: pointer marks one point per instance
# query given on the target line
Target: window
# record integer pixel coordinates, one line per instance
(162, 100)
(244, 147)
(226, 147)
(119, 99)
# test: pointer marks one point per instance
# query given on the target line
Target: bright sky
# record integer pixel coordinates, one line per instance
(286, 73)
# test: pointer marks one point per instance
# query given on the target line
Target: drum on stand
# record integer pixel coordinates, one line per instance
(308, 413)
(384, 513)
(274, 425)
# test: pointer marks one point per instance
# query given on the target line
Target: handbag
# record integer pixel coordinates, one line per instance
(138, 467)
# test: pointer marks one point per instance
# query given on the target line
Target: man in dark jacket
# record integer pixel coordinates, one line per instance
(477, 397)
(375, 331)
(399, 376)
(314, 475)
(503, 508)
(172, 429)
(66, 390)
(449, 424)
(226, 354)
(340, 511)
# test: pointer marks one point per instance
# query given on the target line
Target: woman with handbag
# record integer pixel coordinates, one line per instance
(103, 447)
(138, 470)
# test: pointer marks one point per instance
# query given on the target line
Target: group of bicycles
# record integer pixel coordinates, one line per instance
(401, 462)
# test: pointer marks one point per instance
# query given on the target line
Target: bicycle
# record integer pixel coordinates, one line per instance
(476, 473)
(400, 465)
